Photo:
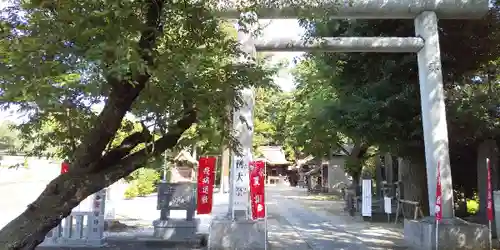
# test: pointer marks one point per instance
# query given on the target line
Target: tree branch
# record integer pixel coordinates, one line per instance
(111, 172)
(121, 97)
(153, 27)
(128, 144)
(358, 150)
(371, 155)
(343, 149)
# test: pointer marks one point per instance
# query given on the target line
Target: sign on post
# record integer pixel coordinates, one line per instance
(175, 196)
(388, 207)
(205, 188)
(257, 190)
(366, 209)
(240, 183)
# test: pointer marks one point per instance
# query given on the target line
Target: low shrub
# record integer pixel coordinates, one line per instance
(131, 191)
(472, 206)
(142, 182)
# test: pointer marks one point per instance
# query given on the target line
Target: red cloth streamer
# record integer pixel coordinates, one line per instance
(64, 167)
(257, 189)
(439, 206)
(489, 199)
(205, 189)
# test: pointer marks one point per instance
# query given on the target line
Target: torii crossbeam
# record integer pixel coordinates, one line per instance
(425, 44)
(361, 9)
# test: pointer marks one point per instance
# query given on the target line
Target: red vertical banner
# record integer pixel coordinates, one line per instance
(64, 167)
(438, 211)
(205, 187)
(489, 199)
(257, 189)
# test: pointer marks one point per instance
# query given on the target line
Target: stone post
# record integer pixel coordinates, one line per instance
(237, 230)
(243, 126)
(95, 232)
(388, 169)
(433, 112)
(378, 177)
(224, 181)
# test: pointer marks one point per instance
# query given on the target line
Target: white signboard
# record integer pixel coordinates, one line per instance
(366, 209)
(387, 205)
(243, 127)
(240, 183)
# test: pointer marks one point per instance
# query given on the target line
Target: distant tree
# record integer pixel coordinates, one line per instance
(169, 64)
(9, 138)
(374, 98)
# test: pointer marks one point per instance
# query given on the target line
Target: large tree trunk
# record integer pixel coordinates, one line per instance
(354, 164)
(66, 191)
(90, 170)
(414, 184)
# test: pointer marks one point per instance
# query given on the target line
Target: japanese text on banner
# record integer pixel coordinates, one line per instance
(205, 188)
(240, 183)
(64, 167)
(489, 199)
(257, 189)
(438, 212)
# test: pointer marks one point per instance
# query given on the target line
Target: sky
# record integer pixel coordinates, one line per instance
(282, 28)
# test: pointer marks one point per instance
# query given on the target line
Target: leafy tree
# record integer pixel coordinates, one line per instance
(311, 128)
(266, 112)
(169, 64)
(376, 95)
(210, 136)
(8, 138)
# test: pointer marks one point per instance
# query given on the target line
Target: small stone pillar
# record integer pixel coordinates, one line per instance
(96, 223)
(176, 196)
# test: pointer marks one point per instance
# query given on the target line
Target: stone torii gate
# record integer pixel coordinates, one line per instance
(425, 44)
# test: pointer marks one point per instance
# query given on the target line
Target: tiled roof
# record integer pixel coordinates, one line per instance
(273, 155)
(184, 155)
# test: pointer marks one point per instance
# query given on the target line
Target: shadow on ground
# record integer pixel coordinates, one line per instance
(327, 226)
(131, 245)
(282, 235)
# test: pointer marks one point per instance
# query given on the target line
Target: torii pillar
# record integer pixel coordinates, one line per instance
(425, 13)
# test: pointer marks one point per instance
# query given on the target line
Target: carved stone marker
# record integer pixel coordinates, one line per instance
(176, 196)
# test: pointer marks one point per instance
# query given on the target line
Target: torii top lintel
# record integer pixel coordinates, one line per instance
(366, 9)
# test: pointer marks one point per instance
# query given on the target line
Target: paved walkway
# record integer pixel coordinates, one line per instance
(294, 222)
(297, 223)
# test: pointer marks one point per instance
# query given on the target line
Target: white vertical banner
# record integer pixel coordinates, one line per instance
(240, 183)
(366, 209)
(243, 127)
(387, 205)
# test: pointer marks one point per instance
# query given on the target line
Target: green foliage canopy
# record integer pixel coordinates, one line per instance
(375, 97)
